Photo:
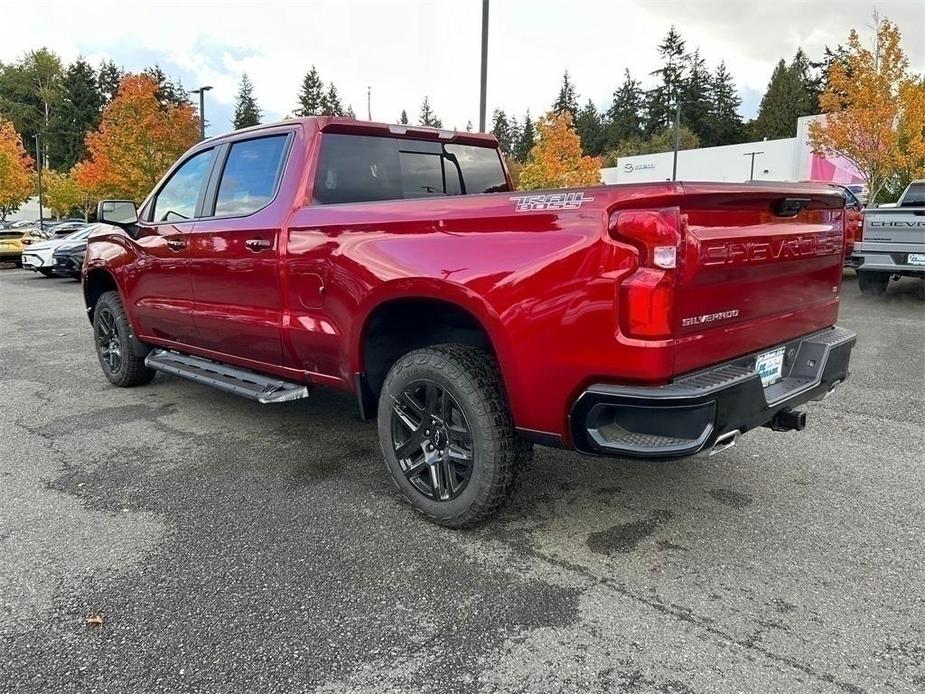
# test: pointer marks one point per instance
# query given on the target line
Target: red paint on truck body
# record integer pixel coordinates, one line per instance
(544, 283)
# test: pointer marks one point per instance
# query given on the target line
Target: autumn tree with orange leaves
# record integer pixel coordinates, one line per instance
(874, 111)
(556, 160)
(15, 170)
(138, 139)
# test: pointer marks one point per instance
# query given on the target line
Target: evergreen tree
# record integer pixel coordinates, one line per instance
(830, 57)
(590, 128)
(567, 99)
(660, 101)
(501, 129)
(77, 113)
(806, 83)
(526, 140)
(349, 112)
(469, 126)
(330, 102)
(427, 116)
(624, 117)
(774, 112)
(792, 93)
(109, 78)
(403, 118)
(311, 95)
(726, 126)
(169, 93)
(695, 96)
(246, 110)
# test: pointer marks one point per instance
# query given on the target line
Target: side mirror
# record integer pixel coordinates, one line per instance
(120, 213)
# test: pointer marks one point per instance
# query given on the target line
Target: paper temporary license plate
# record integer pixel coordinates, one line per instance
(770, 366)
(917, 258)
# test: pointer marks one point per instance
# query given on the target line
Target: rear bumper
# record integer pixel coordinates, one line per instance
(887, 257)
(692, 413)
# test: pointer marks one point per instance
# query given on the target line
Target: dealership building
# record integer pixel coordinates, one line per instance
(788, 159)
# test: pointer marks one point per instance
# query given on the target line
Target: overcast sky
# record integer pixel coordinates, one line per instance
(405, 50)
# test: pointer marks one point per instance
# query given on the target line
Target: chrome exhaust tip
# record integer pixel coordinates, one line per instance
(727, 440)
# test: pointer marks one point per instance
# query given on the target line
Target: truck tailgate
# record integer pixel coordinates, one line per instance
(759, 265)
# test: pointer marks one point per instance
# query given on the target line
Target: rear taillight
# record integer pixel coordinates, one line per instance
(647, 296)
(656, 233)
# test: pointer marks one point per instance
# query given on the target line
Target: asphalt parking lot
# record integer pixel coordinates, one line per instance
(233, 547)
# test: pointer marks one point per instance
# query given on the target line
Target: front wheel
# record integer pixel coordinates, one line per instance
(873, 283)
(447, 434)
(115, 344)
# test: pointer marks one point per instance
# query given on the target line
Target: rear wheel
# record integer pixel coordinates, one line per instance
(447, 434)
(115, 344)
(873, 283)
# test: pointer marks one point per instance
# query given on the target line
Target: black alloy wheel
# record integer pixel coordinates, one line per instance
(121, 354)
(432, 440)
(108, 340)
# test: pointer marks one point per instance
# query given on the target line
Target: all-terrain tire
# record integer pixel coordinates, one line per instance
(129, 370)
(873, 283)
(471, 376)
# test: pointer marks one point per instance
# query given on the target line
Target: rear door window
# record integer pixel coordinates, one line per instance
(250, 175)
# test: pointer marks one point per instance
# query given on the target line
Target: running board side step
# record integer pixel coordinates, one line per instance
(231, 379)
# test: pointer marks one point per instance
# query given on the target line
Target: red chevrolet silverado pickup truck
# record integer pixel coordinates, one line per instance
(647, 321)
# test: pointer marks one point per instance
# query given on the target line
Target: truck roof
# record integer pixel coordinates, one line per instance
(339, 124)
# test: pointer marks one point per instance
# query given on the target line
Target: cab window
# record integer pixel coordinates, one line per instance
(176, 200)
(359, 168)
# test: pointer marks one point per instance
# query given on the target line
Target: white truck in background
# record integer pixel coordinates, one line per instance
(892, 243)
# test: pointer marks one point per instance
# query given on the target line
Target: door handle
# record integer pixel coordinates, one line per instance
(176, 244)
(257, 245)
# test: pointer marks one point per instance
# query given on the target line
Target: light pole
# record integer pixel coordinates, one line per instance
(751, 172)
(38, 159)
(202, 109)
(677, 139)
(484, 65)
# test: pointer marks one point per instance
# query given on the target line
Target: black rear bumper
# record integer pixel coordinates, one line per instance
(692, 413)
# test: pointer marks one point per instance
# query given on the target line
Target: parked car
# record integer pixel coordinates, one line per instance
(647, 321)
(38, 257)
(854, 221)
(892, 243)
(859, 190)
(63, 229)
(14, 240)
(68, 258)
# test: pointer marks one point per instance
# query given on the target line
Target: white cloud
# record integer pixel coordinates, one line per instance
(405, 50)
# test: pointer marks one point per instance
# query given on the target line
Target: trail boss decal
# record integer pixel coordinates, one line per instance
(709, 318)
(550, 201)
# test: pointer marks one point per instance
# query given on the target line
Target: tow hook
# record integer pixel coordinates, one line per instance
(788, 420)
